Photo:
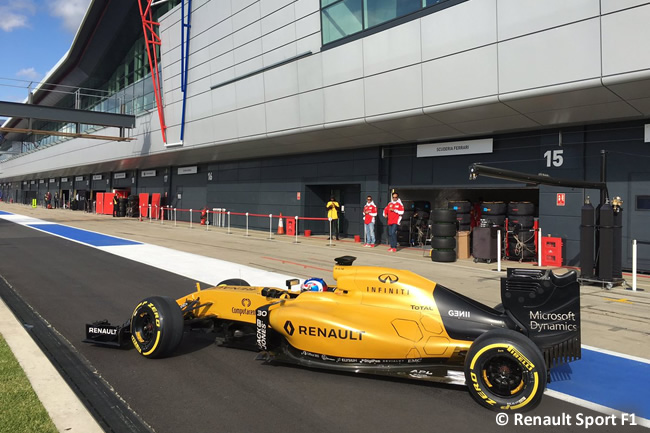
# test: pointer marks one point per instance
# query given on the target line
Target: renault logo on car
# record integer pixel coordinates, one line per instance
(388, 278)
(288, 327)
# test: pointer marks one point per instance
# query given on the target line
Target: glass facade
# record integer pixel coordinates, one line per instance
(128, 90)
(341, 18)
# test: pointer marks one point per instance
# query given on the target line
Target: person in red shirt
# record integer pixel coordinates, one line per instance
(393, 213)
(369, 214)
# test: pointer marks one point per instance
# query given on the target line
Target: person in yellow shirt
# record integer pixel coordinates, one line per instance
(333, 215)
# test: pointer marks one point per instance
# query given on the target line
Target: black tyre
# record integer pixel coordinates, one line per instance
(521, 208)
(444, 256)
(156, 327)
(460, 206)
(443, 215)
(234, 282)
(443, 229)
(493, 208)
(524, 221)
(443, 243)
(504, 370)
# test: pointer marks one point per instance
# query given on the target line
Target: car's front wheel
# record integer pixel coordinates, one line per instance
(504, 370)
(156, 326)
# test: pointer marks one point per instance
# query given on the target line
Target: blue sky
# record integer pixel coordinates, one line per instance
(34, 35)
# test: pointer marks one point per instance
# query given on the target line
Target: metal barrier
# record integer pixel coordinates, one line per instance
(222, 218)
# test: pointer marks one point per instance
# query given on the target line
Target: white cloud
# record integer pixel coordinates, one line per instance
(70, 11)
(15, 15)
(29, 73)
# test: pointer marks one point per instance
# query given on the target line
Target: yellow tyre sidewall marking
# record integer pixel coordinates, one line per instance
(506, 346)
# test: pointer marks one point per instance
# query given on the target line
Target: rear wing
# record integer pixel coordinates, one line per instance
(547, 307)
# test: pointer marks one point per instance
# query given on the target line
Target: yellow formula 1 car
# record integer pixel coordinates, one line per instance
(382, 321)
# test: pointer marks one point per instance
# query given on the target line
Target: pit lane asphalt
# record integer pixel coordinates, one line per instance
(208, 388)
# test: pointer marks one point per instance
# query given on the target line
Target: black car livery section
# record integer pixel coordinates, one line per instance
(470, 321)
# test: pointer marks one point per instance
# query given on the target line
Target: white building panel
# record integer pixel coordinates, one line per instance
(344, 63)
(463, 27)
(393, 91)
(198, 132)
(608, 6)
(562, 55)
(199, 106)
(240, 6)
(278, 18)
(468, 75)
(628, 29)
(310, 73)
(249, 66)
(281, 82)
(312, 108)
(306, 7)
(309, 44)
(392, 49)
(248, 51)
(283, 114)
(308, 25)
(222, 54)
(250, 91)
(221, 37)
(225, 126)
(279, 38)
(251, 121)
(344, 101)
(521, 17)
(281, 54)
(220, 65)
(247, 34)
(219, 10)
(224, 99)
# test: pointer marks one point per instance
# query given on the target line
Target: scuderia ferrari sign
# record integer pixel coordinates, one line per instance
(541, 321)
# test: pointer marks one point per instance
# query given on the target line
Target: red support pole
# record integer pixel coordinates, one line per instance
(151, 41)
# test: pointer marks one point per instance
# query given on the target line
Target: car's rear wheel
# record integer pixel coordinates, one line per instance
(504, 370)
(156, 327)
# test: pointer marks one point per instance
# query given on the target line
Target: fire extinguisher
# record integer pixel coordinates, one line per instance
(204, 216)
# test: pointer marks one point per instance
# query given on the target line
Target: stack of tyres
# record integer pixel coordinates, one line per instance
(121, 207)
(493, 213)
(463, 210)
(133, 206)
(521, 235)
(443, 229)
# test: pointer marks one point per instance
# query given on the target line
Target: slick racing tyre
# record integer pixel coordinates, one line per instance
(443, 229)
(443, 215)
(443, 243)
(156, 327)
(504, 370)
(234, 282)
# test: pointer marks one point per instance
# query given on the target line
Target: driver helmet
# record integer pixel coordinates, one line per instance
(314, 285)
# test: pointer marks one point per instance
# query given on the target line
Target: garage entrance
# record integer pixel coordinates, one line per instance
(348, 196)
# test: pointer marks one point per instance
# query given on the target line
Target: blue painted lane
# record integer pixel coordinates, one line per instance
(5, 213)
(612, 381)
(84, 236)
